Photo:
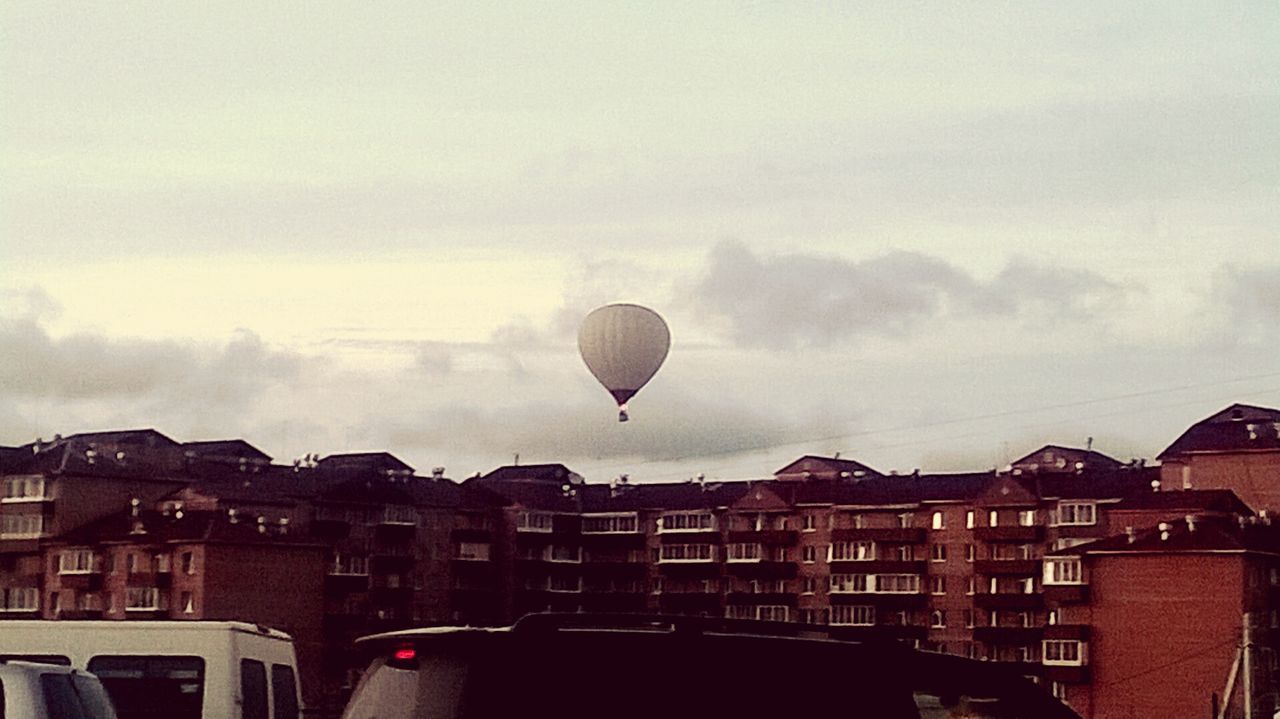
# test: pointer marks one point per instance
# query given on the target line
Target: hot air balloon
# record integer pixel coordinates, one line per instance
(623, 346)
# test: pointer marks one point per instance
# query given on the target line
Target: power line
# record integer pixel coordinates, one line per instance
(1185, 658)
(962, 420)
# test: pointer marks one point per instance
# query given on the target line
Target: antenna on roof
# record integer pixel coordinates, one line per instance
(516, 460)
(1088, 444)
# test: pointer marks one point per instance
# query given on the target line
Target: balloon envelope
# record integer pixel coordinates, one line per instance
(623, 346)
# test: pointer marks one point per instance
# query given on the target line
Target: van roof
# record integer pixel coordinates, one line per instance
(149, 626)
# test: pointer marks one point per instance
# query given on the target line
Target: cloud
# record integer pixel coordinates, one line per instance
(1247, 303)
(810, 300)
(35, 365)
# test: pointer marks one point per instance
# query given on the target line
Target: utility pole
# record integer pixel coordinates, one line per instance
(1247, 666)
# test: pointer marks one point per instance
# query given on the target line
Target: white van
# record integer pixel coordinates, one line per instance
(182, 670)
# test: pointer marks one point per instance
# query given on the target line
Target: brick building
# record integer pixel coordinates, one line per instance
(1031, 566)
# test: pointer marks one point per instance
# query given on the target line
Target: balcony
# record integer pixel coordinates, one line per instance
(683, 602)
(613, 540)
(1079, 632)
(767, 537)
(470, 534)
(1009, 635)
(1014, 533)
(750, 598)
(762, 570)
(598, 568)
(1066, 674)
(1066, 593)
(1008, 600)
(1008, 567)
(690, 570)
(893, 535)
(880, 566)
(331, 524)
(887, 600)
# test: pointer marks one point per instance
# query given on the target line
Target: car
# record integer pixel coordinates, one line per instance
(36, 690)
(580, 666)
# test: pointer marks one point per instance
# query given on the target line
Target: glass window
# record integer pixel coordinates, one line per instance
(253, 689)
(284, 692)
(938, 522)
(144, 687)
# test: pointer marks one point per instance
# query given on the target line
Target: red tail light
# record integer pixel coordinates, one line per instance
(405, 654)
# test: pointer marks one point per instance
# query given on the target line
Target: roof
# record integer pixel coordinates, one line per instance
(1189, 500)
(233, 449)
(1200, 535)
(371, 461)
(1056, 458)
(152, 527)
(828, 467)
(1240, 427)
(533, 473)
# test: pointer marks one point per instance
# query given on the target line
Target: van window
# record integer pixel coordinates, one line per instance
(38, 658)
(59, 698)
(151, 687)
(93, 697)
(284, 692)
(253, 687)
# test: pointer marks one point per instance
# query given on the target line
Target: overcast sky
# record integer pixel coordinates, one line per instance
(934, 236)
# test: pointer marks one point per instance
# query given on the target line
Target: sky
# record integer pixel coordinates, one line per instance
(921, 235)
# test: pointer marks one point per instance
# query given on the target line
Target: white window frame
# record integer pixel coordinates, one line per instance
(21, 526)
(938, 619)
(673, 522)
(132, 595)
(853, 615)
(611, 523)
(745, 552)
(938, 553)
(24, 489)
(1063, 571)
(19, 599)
(349, 565)
(473, 551)
(897, 583)
(77, 561)
(1073, 514)
(843, 583)
(534, 522)
(686, 553)
(937, 585)
(1027, 518)
(938, 521)
(1052, 652)
(858, 551)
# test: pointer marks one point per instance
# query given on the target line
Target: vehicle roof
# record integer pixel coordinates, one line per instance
(150, 626)
(22, 666)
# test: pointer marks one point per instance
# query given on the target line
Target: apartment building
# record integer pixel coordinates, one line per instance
(1021, 566)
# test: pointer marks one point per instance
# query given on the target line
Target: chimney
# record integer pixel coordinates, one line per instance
(134, 505)
(1191, 522)
(1131, 534)
(262, 524)
(284, 525)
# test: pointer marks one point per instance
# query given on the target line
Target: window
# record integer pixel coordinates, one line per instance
(780, 554)
(141, 599)
(968, 519)
(1058, 690)
(906, 520)
(1076, 513)
(1027, 518)
(809, 524)
(349, 565)
(809, 554)
(188, 563)
(1025, 619)
(76, 561)
(610, 524)
(938, 522)
(1053, 617)
(849, 583)
(937, 585)
(993, 518)
(1063, 570)
(160, 563)
(472, 551)
(969, 552)
(857, 616)
(898, 583)
(131, 563)
(19, 599)
(938, 553)
(1063, 651)
(687, 522)
(901, 552)
(23, 489)
(968, 618)
(284, 692)
(938, 619)
(851, 552)
(253, 689)
(687, 553)
(188, 603)
(994, 586)
(1028, 585)
(21, 526)
(1027, 551)
(972, 583)
(769, 613)
(564, 554)
(533, 522)
(810, 585)
(565, 584)
(744, 552)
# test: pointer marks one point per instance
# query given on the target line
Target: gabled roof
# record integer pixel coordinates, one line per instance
(813, 466)
(1056, 458)
(556, 473)
(225, 449)
(367, 461)
(1201, 535)
(152, 527)
(1240, 427)
(666, 496)
(148, 437)
(1222, 501)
